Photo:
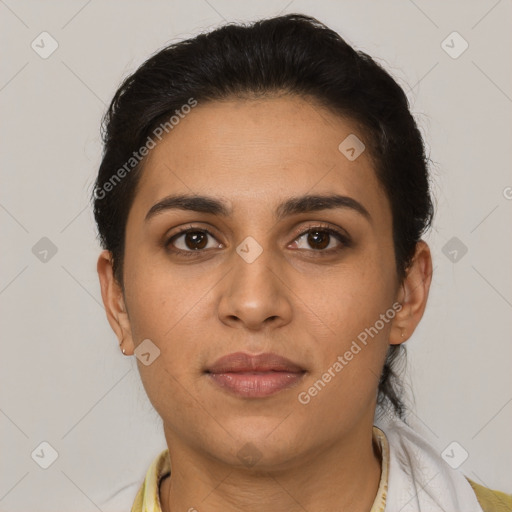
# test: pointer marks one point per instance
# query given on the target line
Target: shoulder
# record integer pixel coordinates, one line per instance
(491, 500)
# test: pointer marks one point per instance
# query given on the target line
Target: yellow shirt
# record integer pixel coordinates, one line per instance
(148, 496)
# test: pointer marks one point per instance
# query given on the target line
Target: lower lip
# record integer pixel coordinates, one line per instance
(255, 385)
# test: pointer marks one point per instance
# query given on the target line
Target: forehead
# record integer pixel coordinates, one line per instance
(252, 152)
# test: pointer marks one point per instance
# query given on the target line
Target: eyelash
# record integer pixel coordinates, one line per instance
(341, 237)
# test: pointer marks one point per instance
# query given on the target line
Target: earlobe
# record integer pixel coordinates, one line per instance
(126, 343)
(413, 295)
(113, 300)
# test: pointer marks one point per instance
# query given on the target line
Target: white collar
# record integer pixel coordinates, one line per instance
(419, 479)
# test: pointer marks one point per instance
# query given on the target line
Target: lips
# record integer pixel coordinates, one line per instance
(254, 376)
(242, 362)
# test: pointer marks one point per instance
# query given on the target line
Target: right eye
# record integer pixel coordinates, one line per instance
(191, 240)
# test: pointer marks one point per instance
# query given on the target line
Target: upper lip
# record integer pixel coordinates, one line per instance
(242, 362)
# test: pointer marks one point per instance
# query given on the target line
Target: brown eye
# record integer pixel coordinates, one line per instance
(318, 239)
(195, 240)
(322, 239)
(188, 241)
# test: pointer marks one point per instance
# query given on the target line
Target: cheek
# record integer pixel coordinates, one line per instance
(350, 298)
(348, 314)
(157, 295)
(171, 309)
(166, 311)
(351, 342)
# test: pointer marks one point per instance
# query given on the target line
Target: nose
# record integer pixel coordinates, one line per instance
(255, 294)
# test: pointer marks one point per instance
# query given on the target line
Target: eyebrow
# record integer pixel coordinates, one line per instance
(292, 206)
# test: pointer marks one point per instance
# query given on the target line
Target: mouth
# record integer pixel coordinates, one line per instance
(254, 376)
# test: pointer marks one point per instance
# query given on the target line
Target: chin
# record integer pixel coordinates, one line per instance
(262, 444)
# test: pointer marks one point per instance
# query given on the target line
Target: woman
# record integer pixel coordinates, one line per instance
(261, 202)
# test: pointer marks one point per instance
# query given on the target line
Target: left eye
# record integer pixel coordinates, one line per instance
(320, 239)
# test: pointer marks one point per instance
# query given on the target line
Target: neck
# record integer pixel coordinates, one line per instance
(341, 476)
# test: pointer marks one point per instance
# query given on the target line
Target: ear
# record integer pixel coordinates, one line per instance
(113, 300)
(412, 295)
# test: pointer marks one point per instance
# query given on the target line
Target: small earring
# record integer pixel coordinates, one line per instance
(403, 333)
(124, 351)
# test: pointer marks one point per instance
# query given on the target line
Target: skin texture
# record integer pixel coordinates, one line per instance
(292, 300)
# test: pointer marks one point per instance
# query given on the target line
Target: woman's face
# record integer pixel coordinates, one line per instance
(255, 280)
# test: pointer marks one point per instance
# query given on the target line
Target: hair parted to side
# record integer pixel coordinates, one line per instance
(291, 54)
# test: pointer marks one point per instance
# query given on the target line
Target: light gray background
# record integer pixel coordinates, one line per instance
(63, 378)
